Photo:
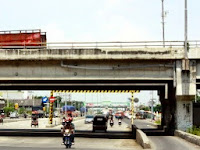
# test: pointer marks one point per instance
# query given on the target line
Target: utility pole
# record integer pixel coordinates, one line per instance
(163, 23)
(132, 107)
(152, 105)
(7, 98)
(186, 30)
(65, 104)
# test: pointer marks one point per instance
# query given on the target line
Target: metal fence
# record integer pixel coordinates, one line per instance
(101, 45)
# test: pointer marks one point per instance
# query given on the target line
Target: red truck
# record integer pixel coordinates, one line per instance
(22, 38)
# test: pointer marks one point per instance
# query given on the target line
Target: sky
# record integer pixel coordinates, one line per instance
(102, 20)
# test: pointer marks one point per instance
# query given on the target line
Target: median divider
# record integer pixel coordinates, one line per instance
(188, 137)
(142, 139)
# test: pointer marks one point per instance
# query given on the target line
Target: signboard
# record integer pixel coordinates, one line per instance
(90, 104)
(44, 99)
(52, 99)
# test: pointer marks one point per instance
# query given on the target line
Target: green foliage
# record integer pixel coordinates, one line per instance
(198, 99)
(158, 108)
(21, 110)
(158, 122)
(194, 130)
(7, 110)
(143, 107)
(29, 112)
(38, 97)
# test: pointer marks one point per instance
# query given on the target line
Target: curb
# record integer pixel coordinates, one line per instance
(188, 137)
(142, 139)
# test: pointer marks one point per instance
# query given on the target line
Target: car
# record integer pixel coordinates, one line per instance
(89, 119)
(119, 114)
(100, 123)
(55, 114)
(14, 115)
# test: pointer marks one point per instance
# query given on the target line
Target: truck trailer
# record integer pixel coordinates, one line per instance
(16, 39)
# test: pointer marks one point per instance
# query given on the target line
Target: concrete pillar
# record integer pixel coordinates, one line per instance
(185, 81)
(185, 93)
(184, 115)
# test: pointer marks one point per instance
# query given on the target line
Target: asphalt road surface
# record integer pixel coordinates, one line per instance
(52, 143)
(43, 122)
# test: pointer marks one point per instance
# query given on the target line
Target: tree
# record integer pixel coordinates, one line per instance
(9, 109)
(158, 108)
(198, 99)
(143, 107)
(21, 110)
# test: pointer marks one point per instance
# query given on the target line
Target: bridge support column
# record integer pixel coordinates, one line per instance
(185, 93)
(184, 115)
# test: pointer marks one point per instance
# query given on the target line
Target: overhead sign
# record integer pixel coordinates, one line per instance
(52, 99)
(44, 99)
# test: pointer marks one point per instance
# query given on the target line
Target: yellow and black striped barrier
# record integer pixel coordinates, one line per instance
(95, 91)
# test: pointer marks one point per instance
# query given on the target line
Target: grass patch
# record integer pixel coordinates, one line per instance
(158, 122)
(194, 130)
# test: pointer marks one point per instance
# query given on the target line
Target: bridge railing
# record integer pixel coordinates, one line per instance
(96, 45)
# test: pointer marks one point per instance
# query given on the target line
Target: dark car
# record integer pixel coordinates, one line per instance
(100, 123)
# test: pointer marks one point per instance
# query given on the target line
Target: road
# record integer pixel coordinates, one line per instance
(52, 143)
(158, 142)
(145, 124)
(23, 123)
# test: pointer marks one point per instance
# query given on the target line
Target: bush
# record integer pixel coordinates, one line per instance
(158, 122)
(194, 130)
(7, 110)
(21, 110)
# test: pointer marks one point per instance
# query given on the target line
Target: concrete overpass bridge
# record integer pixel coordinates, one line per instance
(143, 65)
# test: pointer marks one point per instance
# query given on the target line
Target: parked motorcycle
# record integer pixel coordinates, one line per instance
(67, 136)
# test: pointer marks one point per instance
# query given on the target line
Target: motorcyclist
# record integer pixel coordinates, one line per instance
(68, 125)
(120, 119)
(111, 121)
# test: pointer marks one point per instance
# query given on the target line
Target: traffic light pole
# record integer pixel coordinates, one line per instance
(132, 107)
(51, 110)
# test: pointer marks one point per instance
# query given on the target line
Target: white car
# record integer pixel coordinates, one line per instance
(129, 116)
(14, 115)
(89, 119)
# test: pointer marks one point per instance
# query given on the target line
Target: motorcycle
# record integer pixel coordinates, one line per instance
(111, 123)
(67, 136)
(119, 122)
